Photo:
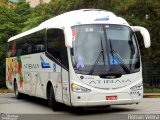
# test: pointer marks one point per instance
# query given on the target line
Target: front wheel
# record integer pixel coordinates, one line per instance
(52, 101)
(17, 94)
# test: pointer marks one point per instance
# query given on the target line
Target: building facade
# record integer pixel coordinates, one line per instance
(34, 3)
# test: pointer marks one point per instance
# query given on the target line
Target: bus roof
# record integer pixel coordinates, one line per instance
(76, 17)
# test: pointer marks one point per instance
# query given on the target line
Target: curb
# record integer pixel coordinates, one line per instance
(5, 93)
(151, 95)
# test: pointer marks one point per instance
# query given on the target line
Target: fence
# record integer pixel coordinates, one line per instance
(2, 83)
(151, 73)
(151, 68)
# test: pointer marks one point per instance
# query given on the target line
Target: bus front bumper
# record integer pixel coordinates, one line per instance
(100, 99)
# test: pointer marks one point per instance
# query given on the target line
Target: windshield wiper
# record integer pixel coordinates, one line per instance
(122, 64)
(98, 58)
(102, 52)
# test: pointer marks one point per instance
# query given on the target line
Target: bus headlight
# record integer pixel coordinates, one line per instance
(79, 89)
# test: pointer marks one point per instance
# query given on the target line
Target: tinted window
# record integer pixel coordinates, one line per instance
(33, 43)
(37, 42)
(56, 45)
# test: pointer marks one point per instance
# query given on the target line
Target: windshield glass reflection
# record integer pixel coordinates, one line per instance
(102, 49)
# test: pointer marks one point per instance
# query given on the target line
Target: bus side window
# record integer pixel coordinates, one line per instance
(29, 49)
(9, 50)
(19, 52)
(39, 48)
(37, 42)
(25, 49)
(56, 45)
(54, 42)
(12, 49)
(20, 46)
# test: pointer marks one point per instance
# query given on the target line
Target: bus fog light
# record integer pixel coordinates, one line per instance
(79, 89)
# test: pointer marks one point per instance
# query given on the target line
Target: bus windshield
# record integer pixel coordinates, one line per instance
(104, 49)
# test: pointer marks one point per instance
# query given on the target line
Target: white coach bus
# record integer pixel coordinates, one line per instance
(87, 57)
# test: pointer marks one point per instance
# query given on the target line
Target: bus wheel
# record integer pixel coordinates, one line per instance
(17, 94)
(52, 102)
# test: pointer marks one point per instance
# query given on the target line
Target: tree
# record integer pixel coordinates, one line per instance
(11, 22)
(20, 17)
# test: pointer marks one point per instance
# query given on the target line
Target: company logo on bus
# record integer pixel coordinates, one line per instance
(31, 66)
(43, 63)
(106, 18)
(110, 81)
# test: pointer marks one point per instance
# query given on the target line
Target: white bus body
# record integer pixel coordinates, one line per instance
(87, 57)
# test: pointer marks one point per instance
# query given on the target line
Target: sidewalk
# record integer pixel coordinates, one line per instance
(151, 95)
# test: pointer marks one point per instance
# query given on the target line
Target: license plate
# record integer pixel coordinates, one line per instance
(111, 97)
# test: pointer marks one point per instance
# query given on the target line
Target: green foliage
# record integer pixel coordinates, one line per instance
(21, 17)
(151, 90)
(11, 23)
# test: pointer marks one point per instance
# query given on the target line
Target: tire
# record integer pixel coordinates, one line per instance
(17, 94)
(52, 102)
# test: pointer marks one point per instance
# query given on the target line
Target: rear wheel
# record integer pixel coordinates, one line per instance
(17, 94)
(52, 101)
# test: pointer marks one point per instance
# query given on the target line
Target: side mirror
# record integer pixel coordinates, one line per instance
(68, 36)
(145, 34)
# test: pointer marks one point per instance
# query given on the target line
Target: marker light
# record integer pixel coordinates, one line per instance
(106, 18)
(79, 89)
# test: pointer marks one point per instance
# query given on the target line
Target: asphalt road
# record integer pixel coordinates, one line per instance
(37, 109)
